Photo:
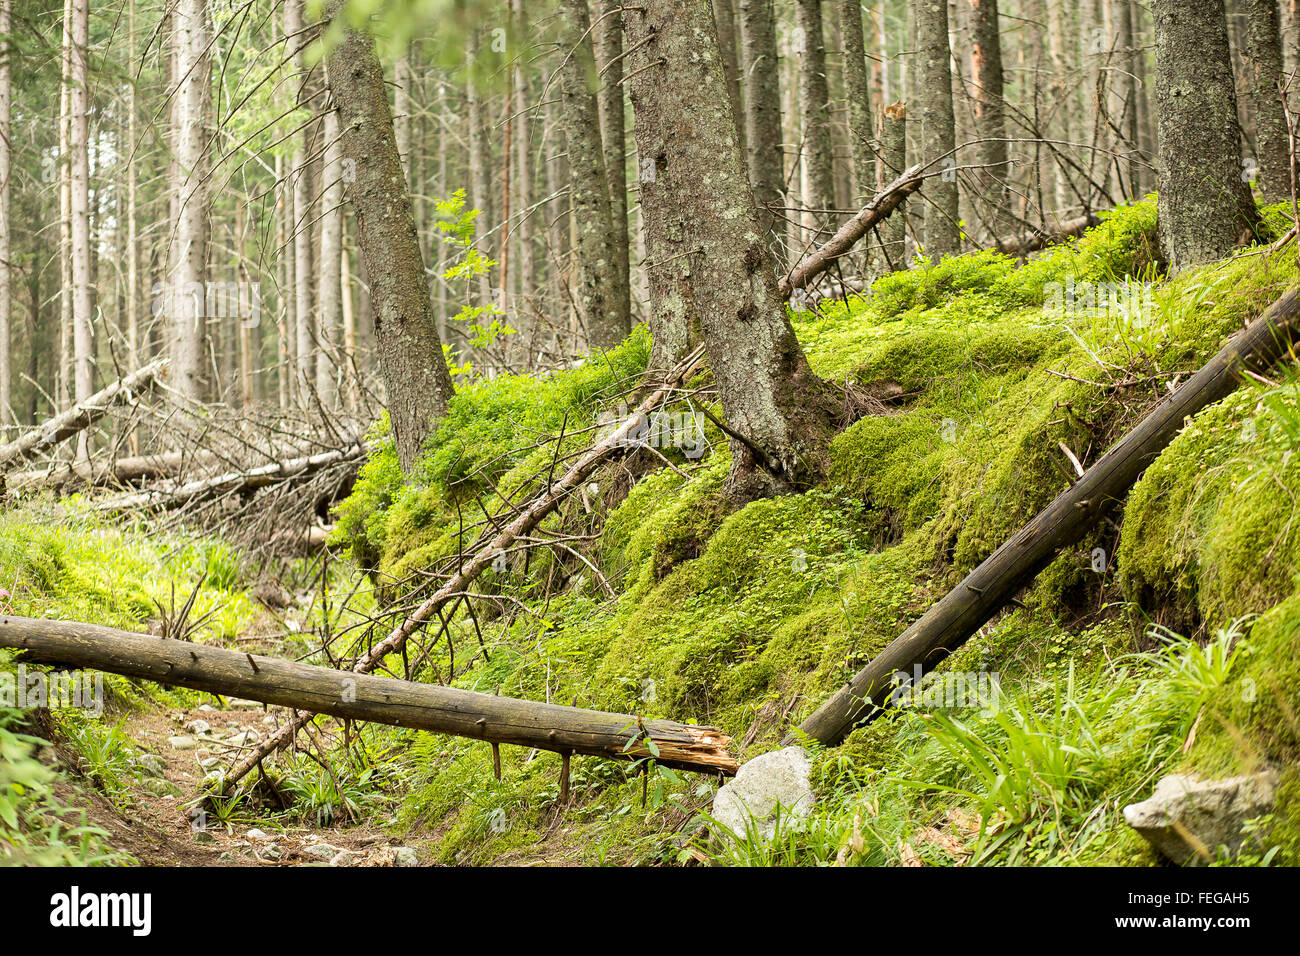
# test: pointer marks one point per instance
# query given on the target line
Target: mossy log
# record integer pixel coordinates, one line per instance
(323, 690)
(80, 416)
(982, 593)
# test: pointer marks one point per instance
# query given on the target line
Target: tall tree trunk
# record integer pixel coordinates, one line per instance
(893, 160)
(6, 294)
(990, 114)
(724, 18)
(79, 210)
(189, 240)
(858, 93)
(762, 99)
(817, 171)
(328, 364)
(63, 378)
(416, 378)
(613, 134)
(942, 234)
(596, 287)
(303, 209)
(1124, 87)
(1206, 209)
(708, 253)
(1058, 34)
(525, 268)
(1264, 65)
(480, 190)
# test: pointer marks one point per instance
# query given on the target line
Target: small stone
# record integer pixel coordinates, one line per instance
(198, 727)
(203, 836)
(322, 851)
(259, 836)
(405, 856)
(270, 852)
(153, 765)
(208, 763)
(206, 708)
(1186, 818)
(779, 778)
(181, 742)
(243, 738)
(347, 858)
(237, 703)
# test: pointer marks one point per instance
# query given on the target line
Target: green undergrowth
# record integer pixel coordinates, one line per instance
(986, 381)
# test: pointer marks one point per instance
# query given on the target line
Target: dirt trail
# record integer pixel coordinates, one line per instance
(157, 821)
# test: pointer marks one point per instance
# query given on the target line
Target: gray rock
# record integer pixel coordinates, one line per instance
(405, 856)
(270, 852)
(259, 836)
(322, 851)
(152, 764)
(203, 836)
(238, 703)
(198, 727)
(780, 778)
(181, 742)
(347, 858)
(1186, 818)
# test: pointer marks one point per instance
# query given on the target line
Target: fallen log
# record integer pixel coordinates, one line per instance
(132, 470)
(1021, 244)
(80, 416)
(232, 482)
(619, 441)
(444, 710)
(875, 212)
(982, 593)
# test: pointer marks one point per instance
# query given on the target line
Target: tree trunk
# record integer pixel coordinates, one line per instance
(1264, 66)
(328, 364)
(858, 93)
(1206, 209)
(724, 19)
(430, 707)
(990, 114)
(479, 179)
(596, 288)
(708, 253)
(6, 292)
(1124, 85)
(893, 160)
(186, 304)
(938, 130)
(304, 216)
(817, 171)
(416, 378)
(967, 607)
(609, 49)
(762, 99)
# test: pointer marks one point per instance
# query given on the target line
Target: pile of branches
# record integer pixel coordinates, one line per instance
(266, 479)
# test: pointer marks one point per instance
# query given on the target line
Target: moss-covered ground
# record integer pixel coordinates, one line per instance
(1167, 640)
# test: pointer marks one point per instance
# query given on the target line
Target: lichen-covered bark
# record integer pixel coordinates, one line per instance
(1205, 206)
(595, 286)
(858, 93)
(762, 100)
(708, 254)
(938, 129)
(1264, 63)
(817, 172)
(416, 379)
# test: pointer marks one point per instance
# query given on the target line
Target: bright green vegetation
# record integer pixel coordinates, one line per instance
(974, 374)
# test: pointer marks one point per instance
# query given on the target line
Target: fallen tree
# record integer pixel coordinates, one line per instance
(1021, 244)
(445, 710)
(232, 482)
(132, 470)
(81, 416)
(525, 519)
(982, 593)
(847, 236)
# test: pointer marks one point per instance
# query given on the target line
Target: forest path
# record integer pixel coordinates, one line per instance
(159, 823)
